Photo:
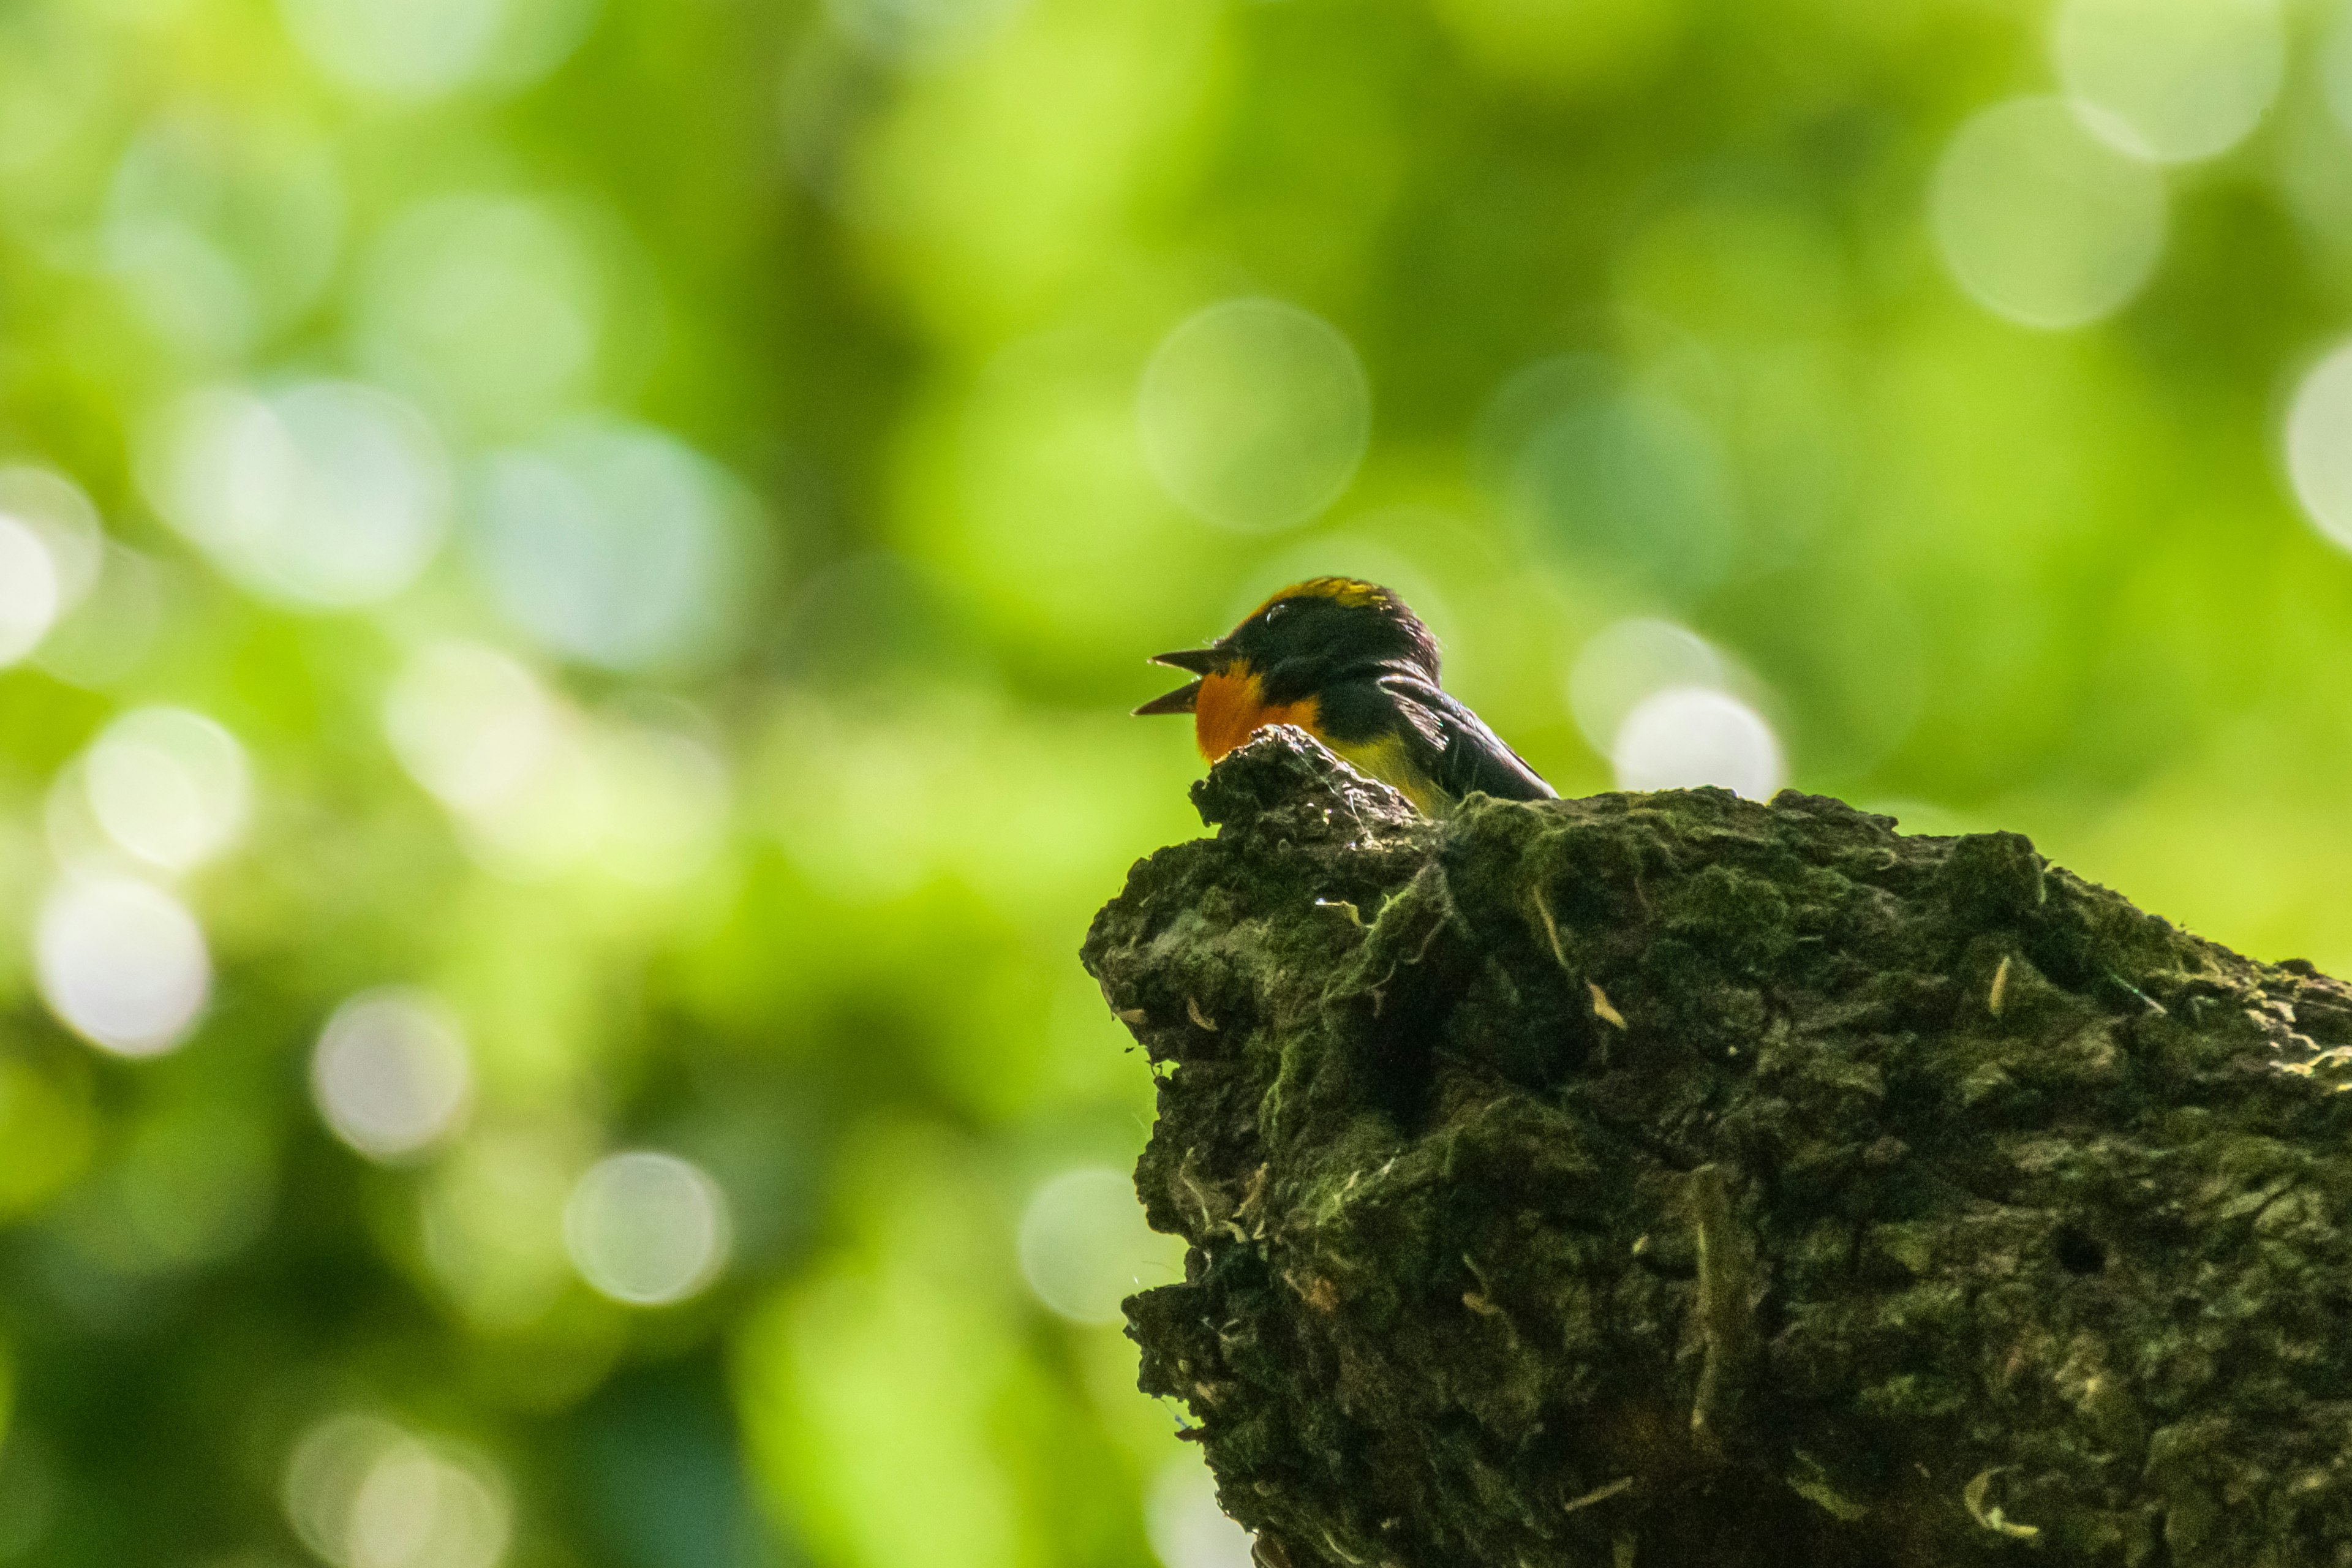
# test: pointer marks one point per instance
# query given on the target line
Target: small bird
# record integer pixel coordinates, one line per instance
(1346, 661)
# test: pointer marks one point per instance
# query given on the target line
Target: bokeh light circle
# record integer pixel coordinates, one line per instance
(1686, 736)
(1184, 1524)
(471, 724)
(30, 594)
(222, 220)
(110, 633)
(417, 1509)
(120, 963)
(1634, 483)
(2319, 446)
(491, 309)
(419, 49)
(666, 803)
(324, 495)
(542, 788)
(1085, 1246)
(647, 1228)
(490, 1214)
(2041, 221)
(614, 545)
(1255, 414)
(390, 1074)
(1609, 476)
(168, 784)
(56, 511)
(1629, 660)
(410, 48)
(51, 547)
(2175, 80)
(363, 1492)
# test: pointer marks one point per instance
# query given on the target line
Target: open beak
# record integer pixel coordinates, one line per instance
(1200, 661)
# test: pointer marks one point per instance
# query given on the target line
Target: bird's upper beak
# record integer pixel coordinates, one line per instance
(1200, 661)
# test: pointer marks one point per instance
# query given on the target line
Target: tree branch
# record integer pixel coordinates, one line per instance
(1673, 1180)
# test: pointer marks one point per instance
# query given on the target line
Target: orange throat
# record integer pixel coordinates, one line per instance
(1232, 708)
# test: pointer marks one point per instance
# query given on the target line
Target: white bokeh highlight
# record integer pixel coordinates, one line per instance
(472, 724)
(1255, 414)
(1629, 660)
(2172, 80)
(390, 1074)
(122, 962)
(410, 48)
(541, 788)
(1085, 1246)
(1689, 736)
(363, 1492)
(325, 495)
(1184, 1524)
(614, 545)
(647, 1228)
(422, 50)
(31, 596)
(2319, 446)
(52, 546)
(169, 785)
(2041, 221)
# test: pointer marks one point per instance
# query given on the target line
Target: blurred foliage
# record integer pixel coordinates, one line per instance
(660, 508)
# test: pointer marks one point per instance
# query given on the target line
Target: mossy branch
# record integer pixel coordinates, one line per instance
(1673, 1180)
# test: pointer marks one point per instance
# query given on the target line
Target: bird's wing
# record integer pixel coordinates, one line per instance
(1468, 755)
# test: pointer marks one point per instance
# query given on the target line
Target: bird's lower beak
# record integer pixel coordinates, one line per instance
(1199, 661)
(1179, 700)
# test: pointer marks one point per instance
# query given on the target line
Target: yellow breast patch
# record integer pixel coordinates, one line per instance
(1389, 760)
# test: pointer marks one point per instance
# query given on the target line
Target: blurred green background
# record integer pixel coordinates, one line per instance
(570, 573)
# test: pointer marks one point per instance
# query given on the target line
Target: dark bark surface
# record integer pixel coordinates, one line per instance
(1673, 1180)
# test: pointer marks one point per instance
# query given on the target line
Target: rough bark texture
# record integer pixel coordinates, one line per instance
(1671, 1179)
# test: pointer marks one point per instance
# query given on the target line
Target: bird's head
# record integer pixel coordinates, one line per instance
(1310, 635)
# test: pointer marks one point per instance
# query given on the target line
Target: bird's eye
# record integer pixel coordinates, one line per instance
(1274, 610)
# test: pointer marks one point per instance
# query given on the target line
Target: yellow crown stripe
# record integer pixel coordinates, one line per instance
(1352, 592)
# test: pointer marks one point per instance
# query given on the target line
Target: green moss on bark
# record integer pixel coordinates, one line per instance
(1677, 1180)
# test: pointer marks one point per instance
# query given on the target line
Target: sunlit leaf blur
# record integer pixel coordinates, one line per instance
(571, 572)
